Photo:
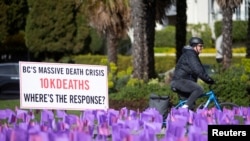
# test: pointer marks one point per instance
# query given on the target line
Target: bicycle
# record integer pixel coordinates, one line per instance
(211, 98)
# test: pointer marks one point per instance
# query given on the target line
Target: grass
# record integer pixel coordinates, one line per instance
(10, 104)
(13, 103)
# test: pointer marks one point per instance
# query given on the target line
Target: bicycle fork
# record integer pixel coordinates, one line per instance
(212, 98)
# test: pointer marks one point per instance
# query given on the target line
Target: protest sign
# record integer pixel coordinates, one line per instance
(63, 86)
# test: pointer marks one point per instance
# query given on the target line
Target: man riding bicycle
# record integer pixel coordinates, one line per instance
(187, 71)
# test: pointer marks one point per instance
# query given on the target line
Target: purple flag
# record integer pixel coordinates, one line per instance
(71, 119)
(46, 116)
(83, 136)
(176, 129)
(3, 136)
(19, 135)
(61, 114)
(197, 137)
(59, 136)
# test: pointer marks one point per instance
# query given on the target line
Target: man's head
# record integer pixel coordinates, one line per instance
(197, 44)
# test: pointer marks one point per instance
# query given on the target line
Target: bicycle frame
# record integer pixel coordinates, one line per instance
(211, 98)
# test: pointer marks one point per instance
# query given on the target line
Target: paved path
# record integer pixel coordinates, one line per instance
(202, 54)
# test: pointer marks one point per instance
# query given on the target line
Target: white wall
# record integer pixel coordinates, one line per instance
(200, 11)
(197, 11)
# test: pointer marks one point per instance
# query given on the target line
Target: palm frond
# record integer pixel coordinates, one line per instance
(161, 7)
(229, 3)
(111, 16)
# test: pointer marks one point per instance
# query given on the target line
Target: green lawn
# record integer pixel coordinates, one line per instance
(11, 104)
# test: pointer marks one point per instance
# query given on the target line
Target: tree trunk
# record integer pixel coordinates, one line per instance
(248, 33)
(227, 37)
(149, 63)
(138, 23)
(112, 43)
(181, 23)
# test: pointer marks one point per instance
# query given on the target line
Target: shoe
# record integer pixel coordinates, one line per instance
(184, 106)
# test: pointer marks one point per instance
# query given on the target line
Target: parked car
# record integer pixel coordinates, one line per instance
(9, 80)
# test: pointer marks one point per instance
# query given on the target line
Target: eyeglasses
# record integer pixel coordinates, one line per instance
(200, 46)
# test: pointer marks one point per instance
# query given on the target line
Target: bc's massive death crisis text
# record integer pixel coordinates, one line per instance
(71, 71)
(61, 70)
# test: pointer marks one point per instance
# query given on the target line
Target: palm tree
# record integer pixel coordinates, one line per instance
(181, 23)
(227, 8)
(144, 14)
(111, 19)
(248, 33)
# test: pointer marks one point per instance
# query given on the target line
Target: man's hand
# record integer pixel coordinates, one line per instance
(210, 81)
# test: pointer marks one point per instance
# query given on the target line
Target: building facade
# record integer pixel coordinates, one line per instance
(208, 12)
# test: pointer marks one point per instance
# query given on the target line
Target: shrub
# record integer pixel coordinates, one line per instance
(239, 30)
(166, 37)
(231, 86)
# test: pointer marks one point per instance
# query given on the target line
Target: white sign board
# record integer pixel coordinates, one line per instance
(63, 86)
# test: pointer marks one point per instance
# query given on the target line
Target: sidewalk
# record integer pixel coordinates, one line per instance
(202, 54)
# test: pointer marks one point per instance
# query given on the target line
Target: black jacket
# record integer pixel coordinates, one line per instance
(189, 66)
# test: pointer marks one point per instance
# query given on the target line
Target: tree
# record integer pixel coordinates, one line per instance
(138, 45)
(248, 33)
(227, 8)
(181, 23)
(145, 13)
(111, 19)
(16, 15)
(3, 21)
(55, 29)
(12, 23)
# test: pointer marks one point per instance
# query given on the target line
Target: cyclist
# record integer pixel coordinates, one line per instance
(187, 71)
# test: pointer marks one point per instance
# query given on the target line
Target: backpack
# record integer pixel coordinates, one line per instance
(160, 103)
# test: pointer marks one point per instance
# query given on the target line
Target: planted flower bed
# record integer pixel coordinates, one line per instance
(115, 125)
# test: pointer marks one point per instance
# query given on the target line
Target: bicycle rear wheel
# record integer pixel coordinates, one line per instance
(228, 105)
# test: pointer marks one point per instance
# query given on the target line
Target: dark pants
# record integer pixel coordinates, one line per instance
(188, 89)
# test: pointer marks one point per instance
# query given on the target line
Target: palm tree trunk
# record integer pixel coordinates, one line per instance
(181, 23)
(248, 33)
(227, 37)
(112, 43)
(138, 23)
(149, 63)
